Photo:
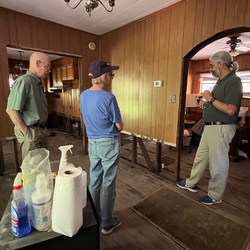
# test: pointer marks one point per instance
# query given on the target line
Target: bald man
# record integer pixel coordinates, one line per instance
(27, 105)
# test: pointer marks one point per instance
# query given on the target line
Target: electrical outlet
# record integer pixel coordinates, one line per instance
(157, 83)
(173, 98)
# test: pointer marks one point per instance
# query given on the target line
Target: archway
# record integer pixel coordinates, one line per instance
(183, 86)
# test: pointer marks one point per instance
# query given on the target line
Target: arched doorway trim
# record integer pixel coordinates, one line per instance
(183, 86)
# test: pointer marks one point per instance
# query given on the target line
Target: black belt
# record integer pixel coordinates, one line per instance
(216, 123)
(37, 125)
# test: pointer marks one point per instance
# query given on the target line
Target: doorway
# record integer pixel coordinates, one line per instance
(184, 80)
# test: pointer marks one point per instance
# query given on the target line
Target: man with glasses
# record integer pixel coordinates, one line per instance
(220, 114)
(103, 121)
(27, 105)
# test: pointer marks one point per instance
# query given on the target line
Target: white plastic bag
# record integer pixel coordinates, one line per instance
(37, 163)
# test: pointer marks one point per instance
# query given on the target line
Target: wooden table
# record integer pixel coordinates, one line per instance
(88, 236)
(189, 123)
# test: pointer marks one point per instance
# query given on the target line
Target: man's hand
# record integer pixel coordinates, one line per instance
(17, 119)
(207, 95)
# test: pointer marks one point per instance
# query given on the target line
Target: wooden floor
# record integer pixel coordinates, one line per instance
(135, 183)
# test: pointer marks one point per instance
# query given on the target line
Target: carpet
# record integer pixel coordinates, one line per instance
(195, 225)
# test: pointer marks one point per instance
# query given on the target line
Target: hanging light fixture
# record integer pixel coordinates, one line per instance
(233, 52)
(90, 5)
(21, 66)
(233, 43)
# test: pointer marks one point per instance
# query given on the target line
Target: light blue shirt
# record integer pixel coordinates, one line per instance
(100, 112)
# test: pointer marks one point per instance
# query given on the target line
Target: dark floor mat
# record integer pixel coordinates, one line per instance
(192, 223)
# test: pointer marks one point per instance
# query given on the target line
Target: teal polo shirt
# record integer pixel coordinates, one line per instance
(27, 96)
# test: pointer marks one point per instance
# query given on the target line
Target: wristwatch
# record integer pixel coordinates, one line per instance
(212, 100)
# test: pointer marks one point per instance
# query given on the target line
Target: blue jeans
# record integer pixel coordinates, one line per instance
(104, 155)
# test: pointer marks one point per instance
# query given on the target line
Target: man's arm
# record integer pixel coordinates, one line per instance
(224, 107)
(120, 125)
(17, 119)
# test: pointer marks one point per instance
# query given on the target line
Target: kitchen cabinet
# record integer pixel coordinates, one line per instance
(68, 72)
(57, 76)
(64, 71)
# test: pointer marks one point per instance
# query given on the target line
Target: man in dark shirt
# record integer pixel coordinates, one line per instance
(220, 114)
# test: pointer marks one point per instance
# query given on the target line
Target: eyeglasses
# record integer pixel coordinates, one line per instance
(47, 66)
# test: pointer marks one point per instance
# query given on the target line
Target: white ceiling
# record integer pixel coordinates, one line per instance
(101, 21)
(221, 44)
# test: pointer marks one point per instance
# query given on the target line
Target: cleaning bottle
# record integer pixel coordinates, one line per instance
(19, 210)
(64, 162)
(41, 204)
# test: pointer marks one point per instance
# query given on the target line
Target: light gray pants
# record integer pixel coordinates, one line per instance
(35, 138)
(213, 152)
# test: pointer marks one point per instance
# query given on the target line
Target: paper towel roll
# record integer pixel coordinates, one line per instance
(67, 202)
(84, 187)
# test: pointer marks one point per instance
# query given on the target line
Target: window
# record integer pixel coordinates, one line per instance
(207, 81)
(11, 81)
(245, 79)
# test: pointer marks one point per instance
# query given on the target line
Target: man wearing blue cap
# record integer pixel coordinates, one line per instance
(103, 121)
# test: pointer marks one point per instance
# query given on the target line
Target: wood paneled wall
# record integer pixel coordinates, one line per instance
(146, 50)
(24, 31)
(152, 49)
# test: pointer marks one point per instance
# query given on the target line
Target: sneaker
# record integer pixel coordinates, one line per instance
(109, 230)
(182, 184)
(208, 200)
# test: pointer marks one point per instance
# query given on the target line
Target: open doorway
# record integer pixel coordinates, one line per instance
(62, 86)
(184, 81)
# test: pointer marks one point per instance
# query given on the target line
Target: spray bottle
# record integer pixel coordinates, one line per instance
(19, 210)
(64, 162)
(41, 204)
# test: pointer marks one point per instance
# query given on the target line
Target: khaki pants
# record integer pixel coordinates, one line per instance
(35, 138)
(213, 153)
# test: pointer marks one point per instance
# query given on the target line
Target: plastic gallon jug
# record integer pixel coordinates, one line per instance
(19, 210)
(41, 204)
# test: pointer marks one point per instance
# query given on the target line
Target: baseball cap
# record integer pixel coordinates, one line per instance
(98, 68)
